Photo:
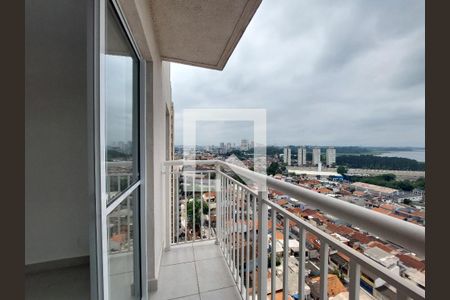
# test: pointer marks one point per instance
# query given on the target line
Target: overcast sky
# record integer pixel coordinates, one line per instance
(327, 72)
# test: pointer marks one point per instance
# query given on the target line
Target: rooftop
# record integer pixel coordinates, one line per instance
(374, 187)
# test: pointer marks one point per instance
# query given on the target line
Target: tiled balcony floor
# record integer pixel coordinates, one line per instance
(193, 272)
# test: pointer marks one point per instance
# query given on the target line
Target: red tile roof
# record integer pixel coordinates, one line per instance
(282, 202)
(358, 193)
(419, 214)
(412, 261)
(381, 210)
(362, 237)
(295, 210)
(335, 286)
(344, 257)
(382, 246)
(324, 190)
(388, 206)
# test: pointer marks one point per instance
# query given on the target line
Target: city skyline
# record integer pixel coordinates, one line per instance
(237, 144)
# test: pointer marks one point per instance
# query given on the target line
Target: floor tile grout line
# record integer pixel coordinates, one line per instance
(222, 288)
(178, 263)
(196, 276)
(184, 296)
(208, 258)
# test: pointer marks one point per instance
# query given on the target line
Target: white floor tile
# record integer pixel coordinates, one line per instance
(230, 293)
(176, 281)
(213, 274)
(179, 254)
(206, 251)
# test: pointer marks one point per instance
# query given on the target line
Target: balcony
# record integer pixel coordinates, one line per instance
(223, 231)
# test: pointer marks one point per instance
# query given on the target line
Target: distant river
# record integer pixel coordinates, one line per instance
(418, 155)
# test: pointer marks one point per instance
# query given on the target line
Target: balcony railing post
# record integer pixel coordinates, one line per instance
(355, 277)
(262, 245)
(166, 183)
(301, 263)
(324, 252)
(218, 191)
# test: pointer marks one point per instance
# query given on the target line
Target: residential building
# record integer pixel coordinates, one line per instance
(375, 189)
(287, 155)
(301, 156)
(228, 147)
(330, 157)
(316, 156)
(245, 146)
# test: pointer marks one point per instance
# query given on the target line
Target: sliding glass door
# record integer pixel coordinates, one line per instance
(119, 159)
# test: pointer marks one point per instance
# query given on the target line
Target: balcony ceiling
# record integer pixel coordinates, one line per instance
(199, 32)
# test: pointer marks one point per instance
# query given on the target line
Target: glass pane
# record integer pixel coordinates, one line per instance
(121, 255)
(124, 182)
(121, 105)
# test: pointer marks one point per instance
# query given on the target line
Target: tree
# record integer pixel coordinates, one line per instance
(269, 260)
(198, 206)
(420, 183)
(275, 168)
(405, 185)
(342, 170)
(380, 162)
(388, 177)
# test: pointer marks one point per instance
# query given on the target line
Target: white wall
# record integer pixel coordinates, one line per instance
(56, 184)
(157, 198)
(138, 14)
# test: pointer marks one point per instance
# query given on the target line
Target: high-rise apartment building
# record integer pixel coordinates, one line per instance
(316, 156)
(287, 155)
(244, 145)
(331, 157)
(301, 156)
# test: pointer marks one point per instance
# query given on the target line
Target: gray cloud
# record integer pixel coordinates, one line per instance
(327, 72)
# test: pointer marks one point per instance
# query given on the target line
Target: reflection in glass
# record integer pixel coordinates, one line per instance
(120, 249)
(121, 106)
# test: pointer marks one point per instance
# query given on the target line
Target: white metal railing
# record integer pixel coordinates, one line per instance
(193, 215)
(241, 230)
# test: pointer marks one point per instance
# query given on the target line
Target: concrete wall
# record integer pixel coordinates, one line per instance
(156, 200)
(56, 169)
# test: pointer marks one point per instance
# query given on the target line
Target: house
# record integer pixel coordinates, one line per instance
(335, 286)
(374, 189)
(324, 190)
(410, 261)
(209, 197)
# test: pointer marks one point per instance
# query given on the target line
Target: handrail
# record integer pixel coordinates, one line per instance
(408, 235)
(407, 287)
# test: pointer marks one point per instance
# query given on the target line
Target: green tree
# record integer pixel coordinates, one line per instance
(342, 170)
(420, 183)
(198, 207)
(405, 185)
(388, 177)
(269, 260)
(275, 168)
